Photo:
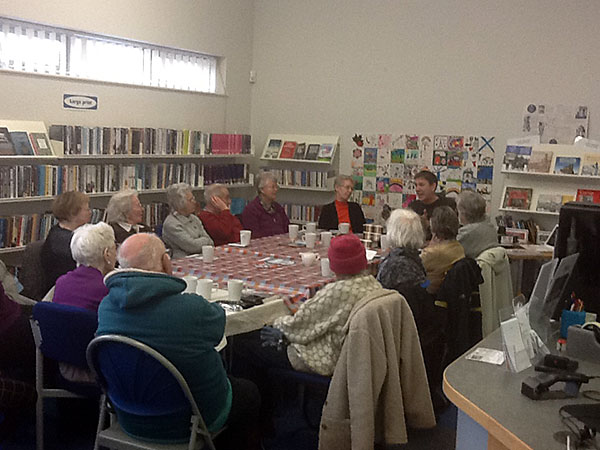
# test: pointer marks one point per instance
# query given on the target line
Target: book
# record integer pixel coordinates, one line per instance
(516, 157)
(325, 152)
(591, 164)
(517, 198)
(272, 150)
(6, 144)
(288, 150)
(567, 165)
(300, 151)
(552, 202)
(313, 151)
(41, 145)
(540, 161)
(21, 142)
(588, 195)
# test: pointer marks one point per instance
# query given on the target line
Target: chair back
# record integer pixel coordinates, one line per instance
(137, 379)
(31, 274)
(63, 332)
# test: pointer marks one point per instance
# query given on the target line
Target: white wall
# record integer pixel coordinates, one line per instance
(219, 27)
(420, 66)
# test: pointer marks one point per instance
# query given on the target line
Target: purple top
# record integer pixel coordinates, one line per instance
(9, 311)
(83, 287)
(262, 223)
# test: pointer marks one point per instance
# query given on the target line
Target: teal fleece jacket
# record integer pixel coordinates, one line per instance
(152, 308)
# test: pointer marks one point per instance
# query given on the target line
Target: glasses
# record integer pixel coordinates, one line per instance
(169, 252)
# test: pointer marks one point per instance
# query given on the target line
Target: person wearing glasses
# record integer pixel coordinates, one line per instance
(263, 215)
(183, 231)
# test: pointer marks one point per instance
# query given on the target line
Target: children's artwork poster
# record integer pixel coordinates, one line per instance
(556, 124)
(384, 166)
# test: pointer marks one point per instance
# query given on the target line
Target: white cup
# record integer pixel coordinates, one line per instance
(310, 239)
(234, 290)
(326, 238)
(191, 283)
(310, 227)
(308, 258)
(325, 269)
(208, 253)
(344, 227)
(293, 229)
(245, 236)
(205, 288)
(384, 242)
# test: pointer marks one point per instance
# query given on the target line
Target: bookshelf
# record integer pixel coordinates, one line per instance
(304, 183)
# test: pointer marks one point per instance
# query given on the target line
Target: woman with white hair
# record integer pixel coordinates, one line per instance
(94, 250)
(183, 231)
(341, 210)
(124, 214)
(477, 233)
(263, 215)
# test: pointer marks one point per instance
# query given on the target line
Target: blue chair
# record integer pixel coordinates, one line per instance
(61, 335)
(142, 387)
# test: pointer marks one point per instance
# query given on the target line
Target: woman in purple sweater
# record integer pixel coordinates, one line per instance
(263, 215)
(93, 248)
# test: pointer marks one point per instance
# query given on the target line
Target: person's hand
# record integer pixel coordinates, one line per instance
(219, 203)
(272, 337)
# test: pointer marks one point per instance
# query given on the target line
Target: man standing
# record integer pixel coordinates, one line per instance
(427, 200)
(222, 226)
(147, 303)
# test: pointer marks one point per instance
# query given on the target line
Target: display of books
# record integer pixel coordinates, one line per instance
(517, 198)
(300, 152)
(326, 152)
(288, 150)
(540, 161)
(588, 195)
(516, 157)
(567, 165)
(591, 165)
(551, 202)
(20, 140)
(313, 151)
(6, 144)
(273, 149)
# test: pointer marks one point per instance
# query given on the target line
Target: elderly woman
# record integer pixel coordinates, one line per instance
(71, 209)
(124, 214)
(93, 248)
(341, 210)
(182, 230)
(263, 215)
(222, 226)
(477, 233)
(443, 250)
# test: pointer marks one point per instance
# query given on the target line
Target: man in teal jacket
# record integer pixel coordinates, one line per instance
(147, 303)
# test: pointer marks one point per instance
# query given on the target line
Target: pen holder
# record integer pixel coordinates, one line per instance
(569, 318)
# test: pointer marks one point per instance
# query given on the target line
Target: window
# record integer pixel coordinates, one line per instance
(32, 48)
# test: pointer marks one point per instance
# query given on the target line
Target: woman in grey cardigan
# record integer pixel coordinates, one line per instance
(182, 230)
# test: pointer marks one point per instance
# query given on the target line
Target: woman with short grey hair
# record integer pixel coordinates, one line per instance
(94, 250)
(341, 210)
(477, 233)
(124, 214)
(263, 215)
(182, 230)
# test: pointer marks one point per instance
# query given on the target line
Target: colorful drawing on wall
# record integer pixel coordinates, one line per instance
(396, 170)
(440, 158)
(383, 170)
(385, 141)
(370, 170)
(397, 156)
(369, 184)
(485, 174)
(454, 158)
(456, 142)
(396, 185)
(370, 155)
(368, 199)
(440, 142)
(383, 156)
(412, 157)
(412, 142)
(358, 182)
(383, 185)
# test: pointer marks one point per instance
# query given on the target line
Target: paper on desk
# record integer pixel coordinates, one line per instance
(371, 254)
(487, 355)
(512, 341)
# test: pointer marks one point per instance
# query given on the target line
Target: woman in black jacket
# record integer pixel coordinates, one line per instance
(341, 210)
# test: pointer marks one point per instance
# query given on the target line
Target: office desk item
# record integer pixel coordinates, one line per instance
(494, 414)
(582, 343)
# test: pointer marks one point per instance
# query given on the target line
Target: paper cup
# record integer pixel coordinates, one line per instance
(293, 230)
(326, 238)
(234, 290)
(325, 269)
(204, 288)
(245, 236)
(344, 228)
(208, 253)
(191, 283)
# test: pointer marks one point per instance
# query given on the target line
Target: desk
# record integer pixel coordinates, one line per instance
(518, 258)
(493, 413)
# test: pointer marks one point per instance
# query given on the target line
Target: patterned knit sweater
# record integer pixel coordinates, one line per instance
(315, 331)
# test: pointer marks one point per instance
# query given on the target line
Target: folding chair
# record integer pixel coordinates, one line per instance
(61, 334)
(141, 385)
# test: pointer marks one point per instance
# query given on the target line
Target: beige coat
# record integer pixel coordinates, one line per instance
(379, 386)
(496, 291)
(438, 258)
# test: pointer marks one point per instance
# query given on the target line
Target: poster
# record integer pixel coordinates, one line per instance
(556, 124)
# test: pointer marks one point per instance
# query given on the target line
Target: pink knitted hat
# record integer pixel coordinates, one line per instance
(347, 255)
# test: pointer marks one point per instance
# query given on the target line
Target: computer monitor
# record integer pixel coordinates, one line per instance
(579, 232)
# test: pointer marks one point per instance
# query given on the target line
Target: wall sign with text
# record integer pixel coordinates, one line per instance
(74, 101)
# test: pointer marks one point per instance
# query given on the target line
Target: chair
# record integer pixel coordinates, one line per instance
(140, 383)
(496, 291)
(61, 335)
(31, 274)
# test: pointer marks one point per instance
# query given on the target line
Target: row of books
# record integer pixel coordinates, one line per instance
(81, 140)
(521, 198)
(280, 149)
(302, 213)
(520, 158)
(44, 180)
(23, 143)
(302, 178)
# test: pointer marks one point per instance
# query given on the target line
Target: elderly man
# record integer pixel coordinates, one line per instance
(147, 303)
(124, 214)
(341, 210)
(222, 226)
(477, 233)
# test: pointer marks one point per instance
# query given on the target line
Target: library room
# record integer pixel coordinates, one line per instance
(178, 180)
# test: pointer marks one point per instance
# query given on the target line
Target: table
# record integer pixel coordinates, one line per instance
(519, 257)
(493, 413)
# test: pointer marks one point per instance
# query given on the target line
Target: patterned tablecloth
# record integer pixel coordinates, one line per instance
(295, 282)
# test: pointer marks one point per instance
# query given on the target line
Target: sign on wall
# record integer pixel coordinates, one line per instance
(81, 102)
